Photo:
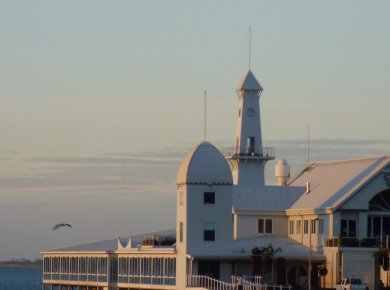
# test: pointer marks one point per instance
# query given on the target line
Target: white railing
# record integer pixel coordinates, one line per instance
(252, 286)
(209, 283)
(249, 152)
(238, 283)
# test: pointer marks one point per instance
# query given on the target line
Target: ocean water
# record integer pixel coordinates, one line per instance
(20, 278)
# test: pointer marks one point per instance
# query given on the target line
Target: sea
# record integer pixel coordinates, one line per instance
(15, 278)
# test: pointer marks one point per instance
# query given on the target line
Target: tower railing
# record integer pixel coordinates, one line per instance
(265, 153)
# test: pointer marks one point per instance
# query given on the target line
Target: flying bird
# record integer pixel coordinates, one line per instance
(57, 226)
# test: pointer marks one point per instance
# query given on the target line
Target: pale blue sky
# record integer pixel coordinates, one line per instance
(125, 79)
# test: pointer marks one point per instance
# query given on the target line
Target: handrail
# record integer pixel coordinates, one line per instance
(249, 152)
(238, 283)
(209, 283)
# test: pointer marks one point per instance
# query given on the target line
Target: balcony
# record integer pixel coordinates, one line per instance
(254, 153)
(354, 242)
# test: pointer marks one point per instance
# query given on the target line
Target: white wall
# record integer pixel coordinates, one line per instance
(246, 224)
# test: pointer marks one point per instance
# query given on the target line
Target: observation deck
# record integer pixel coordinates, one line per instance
(249, 153)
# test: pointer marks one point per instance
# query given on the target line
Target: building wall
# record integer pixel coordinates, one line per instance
(246, 225)
(199, 213)
(359, 263)
(333, 265)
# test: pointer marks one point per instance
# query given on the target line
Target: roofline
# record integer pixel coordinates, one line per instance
(308, 211)
(83, 252)
(256, 212)
(359, 186)
(313, 164)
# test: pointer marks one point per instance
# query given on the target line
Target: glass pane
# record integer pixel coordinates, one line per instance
(376, 227)
(344, 228)
(352, 228)
(260, 226)
(268, 226)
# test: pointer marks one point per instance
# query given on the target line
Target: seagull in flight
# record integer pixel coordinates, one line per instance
(57, 226)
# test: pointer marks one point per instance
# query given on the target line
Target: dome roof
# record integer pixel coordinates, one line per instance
(204, 164)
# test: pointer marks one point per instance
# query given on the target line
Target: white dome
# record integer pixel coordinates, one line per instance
(204, 164)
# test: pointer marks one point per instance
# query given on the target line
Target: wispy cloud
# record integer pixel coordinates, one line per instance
(103, 194)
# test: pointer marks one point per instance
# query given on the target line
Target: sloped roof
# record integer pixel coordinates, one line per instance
(110, 245)
(204, 164)
(249, 83)
(332, 183)
(290, 249)
(265, 198)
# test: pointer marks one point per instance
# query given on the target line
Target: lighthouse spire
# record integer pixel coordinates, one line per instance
(248, 157)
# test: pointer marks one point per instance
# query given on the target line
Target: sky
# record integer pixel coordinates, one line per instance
(100, 101)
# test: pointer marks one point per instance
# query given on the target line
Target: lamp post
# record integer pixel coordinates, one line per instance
(310, 232)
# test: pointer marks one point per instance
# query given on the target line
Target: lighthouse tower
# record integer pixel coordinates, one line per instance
(248, 157)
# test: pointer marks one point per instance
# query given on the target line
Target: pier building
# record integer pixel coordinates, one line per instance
(233, 231)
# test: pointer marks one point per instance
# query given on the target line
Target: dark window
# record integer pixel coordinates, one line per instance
(260, 226)
(348, 228)
(268, 226)
(250, 144)
(306, 227)
(209, 232)
(209, 198)
(209, 268)
(264, 226)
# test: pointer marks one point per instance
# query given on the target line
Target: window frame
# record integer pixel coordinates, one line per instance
(305, 227)
(209, 232)
(291, 224)
(209, 198)
(262, 224)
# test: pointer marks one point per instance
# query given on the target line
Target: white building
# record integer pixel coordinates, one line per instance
(334, 216)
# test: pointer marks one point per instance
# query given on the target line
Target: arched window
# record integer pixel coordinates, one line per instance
(381, 201)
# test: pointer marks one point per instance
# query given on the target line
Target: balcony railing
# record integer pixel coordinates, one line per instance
(355, 242)
(265, 153)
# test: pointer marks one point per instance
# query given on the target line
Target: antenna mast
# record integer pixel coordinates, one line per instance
(250, 43)
(308, 144)
(205, 114)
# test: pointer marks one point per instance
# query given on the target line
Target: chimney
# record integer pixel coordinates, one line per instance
(282, 172)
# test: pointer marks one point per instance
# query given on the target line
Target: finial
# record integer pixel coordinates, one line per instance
(205, 112)
(250, 43)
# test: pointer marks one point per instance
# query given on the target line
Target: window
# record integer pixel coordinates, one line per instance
(348, 228)
(313, 226)
(209, 232)
(291, 227)
(299, 227)
(209, 197)
(378, 225)
(264, 226)
(250, 144)
(181, 232)
(306, 227)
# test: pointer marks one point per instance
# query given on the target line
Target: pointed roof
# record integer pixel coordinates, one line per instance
(333, 183)
(249, 83)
